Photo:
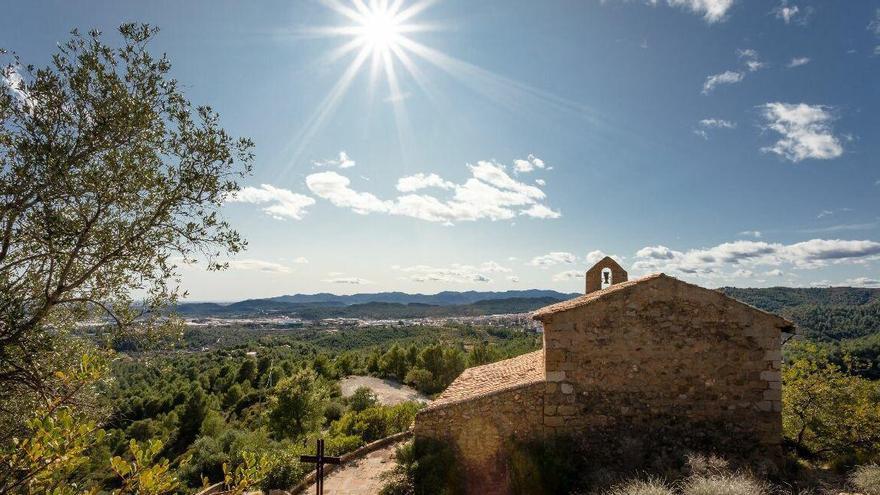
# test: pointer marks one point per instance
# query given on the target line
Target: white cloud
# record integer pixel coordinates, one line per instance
(540, 211)
(805, 129)
(335, 188)
(776, 272)
(656, 253)
(342, 161)
(751, 233)
(527, 165)
(726, 77)
(798, 61)
(419, 181)
(716, 261)
(553, 258)
(347, 280)
(540, 182)
(874, 25)
(750, 58)
(301, 260)
(713, 124)
(455, 273)
(12, 80)
(283, 203)
(258, 265)
(711, 10)
(717, 124)
(786, 13)
(863, 282)
(790, 13)
(513, 278)
(594, 257)
(490, 193)
(568, 275)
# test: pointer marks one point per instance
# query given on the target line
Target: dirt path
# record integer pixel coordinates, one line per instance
(360, 477)
(387, 391)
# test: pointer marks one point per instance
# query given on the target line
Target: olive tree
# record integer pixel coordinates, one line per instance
(109, 178)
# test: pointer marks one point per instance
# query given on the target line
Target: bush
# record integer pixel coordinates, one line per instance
(641, 487)
(376, 422)
(425, 467)
(361, 399)
(866, 479)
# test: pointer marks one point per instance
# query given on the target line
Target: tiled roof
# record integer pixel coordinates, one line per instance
(491, 378)
(592, 296)
(579, 301)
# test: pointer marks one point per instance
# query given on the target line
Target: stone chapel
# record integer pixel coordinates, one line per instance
(652, 362)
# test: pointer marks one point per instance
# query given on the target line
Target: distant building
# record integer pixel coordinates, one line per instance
(655, 365)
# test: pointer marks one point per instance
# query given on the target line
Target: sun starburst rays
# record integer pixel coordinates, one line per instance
(378, 36)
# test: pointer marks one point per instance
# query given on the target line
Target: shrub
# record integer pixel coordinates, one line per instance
(425, 467)
(641, 487)
(361, 399)
(866, 479)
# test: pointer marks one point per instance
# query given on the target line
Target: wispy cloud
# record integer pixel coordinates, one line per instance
(490, 193)
(841, 228)
(750, 59)
(455, 273)
(790, 13)
(553, 258)
(806, 131)
(283, 203)
(751, 233)
(828, 213)
(726, 77)
(568, 275)
(798, 61)
(751, 62)
(712, 10)
(250, 264)
(347, 280)
(342, 161)
(706, 124)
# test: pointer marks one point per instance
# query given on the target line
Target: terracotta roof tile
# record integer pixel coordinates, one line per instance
(492, 378)
(592, 296)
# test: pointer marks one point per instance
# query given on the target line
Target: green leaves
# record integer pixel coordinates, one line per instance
(829, 413)
(143, 474)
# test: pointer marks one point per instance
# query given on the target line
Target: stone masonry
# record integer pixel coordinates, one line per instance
(639, 358)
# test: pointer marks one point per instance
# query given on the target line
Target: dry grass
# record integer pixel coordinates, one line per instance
(642, 487)
(866, 479)
(723, 484)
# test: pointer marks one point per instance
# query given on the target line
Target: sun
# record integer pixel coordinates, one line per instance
(379, 30)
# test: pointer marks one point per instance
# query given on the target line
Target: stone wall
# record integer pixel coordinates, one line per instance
(666, 356)
(479, 427)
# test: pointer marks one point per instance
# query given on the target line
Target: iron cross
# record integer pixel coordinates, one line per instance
(320, 459)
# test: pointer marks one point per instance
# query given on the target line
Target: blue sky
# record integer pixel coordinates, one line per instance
(724, 142)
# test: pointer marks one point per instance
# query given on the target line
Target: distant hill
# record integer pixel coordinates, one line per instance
(338, 308)
(824, 314)
(445, 298)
